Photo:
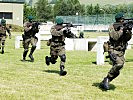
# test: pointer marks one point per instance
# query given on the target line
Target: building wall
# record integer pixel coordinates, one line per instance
(16, 9)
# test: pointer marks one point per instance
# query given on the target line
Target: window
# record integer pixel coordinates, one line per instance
(6, 15)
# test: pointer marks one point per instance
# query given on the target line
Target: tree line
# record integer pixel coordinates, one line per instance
(44, 11)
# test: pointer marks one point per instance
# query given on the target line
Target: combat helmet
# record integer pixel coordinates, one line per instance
(30, 18)
(119, 16)
(3, 22)
(59, 21)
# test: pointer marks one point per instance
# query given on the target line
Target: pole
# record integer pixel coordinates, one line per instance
(104, 16)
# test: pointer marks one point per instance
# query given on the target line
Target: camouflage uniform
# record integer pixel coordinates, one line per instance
(118, 43)
(57, 46)
(118, 38)
(29, 38)
(3, 36)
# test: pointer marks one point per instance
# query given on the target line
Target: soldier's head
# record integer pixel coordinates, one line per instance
(3, 22)
(59, 21)
(30, 18)
(119, 17)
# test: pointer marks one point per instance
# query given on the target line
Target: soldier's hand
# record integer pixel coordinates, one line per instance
(64, 30)
(30, 27)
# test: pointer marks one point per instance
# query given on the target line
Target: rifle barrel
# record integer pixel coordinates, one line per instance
(128, 19)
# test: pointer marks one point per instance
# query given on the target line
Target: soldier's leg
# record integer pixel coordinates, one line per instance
(26, 48)
(53, 57)
(62, 64)
(0, 42)
(33, 43)
(114, 72)
(3, 43)
(63, 60)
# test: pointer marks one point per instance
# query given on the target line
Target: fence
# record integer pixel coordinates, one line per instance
(93, 19)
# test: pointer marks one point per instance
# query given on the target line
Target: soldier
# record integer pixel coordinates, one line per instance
(3, 29)
(57, 45)
(119, 35)
(29, 38)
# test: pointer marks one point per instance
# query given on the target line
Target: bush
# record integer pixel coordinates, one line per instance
(16, 28)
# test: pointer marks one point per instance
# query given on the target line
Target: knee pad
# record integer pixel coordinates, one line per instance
(53, 59)
(63, 58)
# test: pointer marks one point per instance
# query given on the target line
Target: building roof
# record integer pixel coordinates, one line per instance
(12, 1)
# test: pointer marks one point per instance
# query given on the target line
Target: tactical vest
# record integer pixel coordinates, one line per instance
(58, 38)
(30, 32)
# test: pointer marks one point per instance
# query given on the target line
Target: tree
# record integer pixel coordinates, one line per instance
(82, 10)
(44, 10)
(89, 9)
(96, 9)
(29, 10)
(67, 7)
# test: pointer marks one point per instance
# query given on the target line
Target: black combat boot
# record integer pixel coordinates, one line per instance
(31, 52)
(24, 55)
(47, 60)
(31, 57)
(105, 83)
(62, 72)
(2, 50)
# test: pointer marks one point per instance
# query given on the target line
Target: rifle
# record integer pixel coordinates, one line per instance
(68, 32)
(35, 27)
(126, 25)
(70, 25)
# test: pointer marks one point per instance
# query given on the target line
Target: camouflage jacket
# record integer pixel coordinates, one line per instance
(3, 30)
(118, 38)
(29, 31)
(58, 37)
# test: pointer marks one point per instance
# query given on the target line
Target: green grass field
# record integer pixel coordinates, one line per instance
(36, 81)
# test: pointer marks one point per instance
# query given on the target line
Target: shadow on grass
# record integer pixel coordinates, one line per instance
(52, 71)
(94, 62)
(129, 60)
(26, 60)
(112, 87)
(4, 52)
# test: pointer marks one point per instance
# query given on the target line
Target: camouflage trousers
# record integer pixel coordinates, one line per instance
(32, 41)
(58, 51)
(117, 64)
(2, 41)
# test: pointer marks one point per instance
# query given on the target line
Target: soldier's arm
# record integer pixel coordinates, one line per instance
(54, 32)
(27, 27)
(115, 34)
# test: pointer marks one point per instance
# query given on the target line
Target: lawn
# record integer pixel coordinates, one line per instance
(36, 81)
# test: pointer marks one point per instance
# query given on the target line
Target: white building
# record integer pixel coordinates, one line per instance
(12, 11)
